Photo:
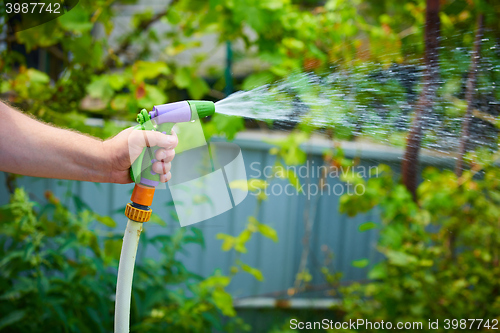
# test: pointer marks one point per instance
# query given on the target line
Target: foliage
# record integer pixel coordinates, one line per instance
(53, 269)
(56, 274)
(442, 253)
(238, 243)
(59, 274)
(91, 76)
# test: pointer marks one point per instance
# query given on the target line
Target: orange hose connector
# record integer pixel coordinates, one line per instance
(136, 214)
(142, 198)
(143, 195)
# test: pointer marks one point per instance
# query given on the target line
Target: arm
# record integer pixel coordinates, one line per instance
(31, 148)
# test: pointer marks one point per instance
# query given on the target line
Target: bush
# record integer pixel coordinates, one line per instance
(57, 274)
(442, 254)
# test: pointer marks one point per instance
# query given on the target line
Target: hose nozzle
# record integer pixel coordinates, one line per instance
(162, 119)
(180, 112)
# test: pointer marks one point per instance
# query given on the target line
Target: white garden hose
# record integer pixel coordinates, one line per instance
(125, 276)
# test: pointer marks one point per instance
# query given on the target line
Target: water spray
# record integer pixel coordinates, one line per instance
(162, 118)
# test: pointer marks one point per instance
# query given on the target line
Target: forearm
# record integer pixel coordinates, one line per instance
(31, 148)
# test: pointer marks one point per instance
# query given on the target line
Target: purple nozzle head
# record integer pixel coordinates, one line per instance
(177, 112)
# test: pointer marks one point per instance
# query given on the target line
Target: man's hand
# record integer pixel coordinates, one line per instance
(31, 148)
(125, 147)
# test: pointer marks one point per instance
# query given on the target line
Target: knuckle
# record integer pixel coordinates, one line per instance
(160, 153)
(169, 155)
(157, 167)
(175, 141)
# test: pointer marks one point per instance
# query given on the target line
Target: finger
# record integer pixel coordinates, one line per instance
(165, 178)
(174, 134)
(161, 168)
(161, 140)
(138, 139)
(165, 155)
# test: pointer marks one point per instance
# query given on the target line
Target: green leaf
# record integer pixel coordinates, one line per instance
(182, 77)
(118, 80)
(213, 319)
(360, 263)
(9, 257)
(400, 258)
(255, 184)
(156, 219)
(257, 80)
(4, 86)
(289, 148)
(149, 70)
(43, 35)
(294, 180)
(228, 241)
(304, 276)
(112, 248)
(216, 281)
(12, 318)
(93, 315)
(253, 224)
(228, 125)
(268, 232)
(244, 236)
(76, 20)
(85, 50)
(198, 88)
(367, 226)
(379, 271)
(106, 220)
(141, 16)
(199, 199)
(154, 96)
(426, 263)
(224, 302)
(252, 185)
(240, 184)
(36, 76)
(196, 238)
(293, 43)
(120, 102)
(274, 4)
(59, 310)
(173, 215)
(173, 16)
(100, 88)
(257, 274)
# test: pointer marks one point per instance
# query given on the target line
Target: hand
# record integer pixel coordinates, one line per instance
(123, 149)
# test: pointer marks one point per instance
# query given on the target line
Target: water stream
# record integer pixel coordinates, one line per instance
(375, 102)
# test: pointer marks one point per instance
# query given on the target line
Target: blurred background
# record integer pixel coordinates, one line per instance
(357, 89)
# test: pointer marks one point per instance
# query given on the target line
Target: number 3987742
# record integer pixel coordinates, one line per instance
(32, 8)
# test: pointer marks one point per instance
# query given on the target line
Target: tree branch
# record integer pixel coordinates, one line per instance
(431, 74)
(110, 60)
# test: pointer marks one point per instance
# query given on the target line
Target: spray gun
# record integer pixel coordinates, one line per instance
(162, 118)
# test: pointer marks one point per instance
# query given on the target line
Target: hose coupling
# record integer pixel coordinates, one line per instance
(142, 198)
